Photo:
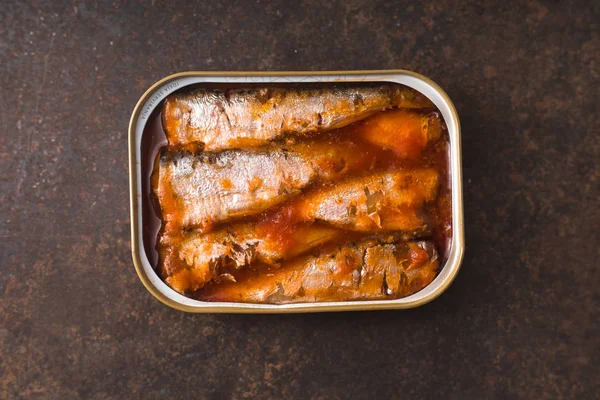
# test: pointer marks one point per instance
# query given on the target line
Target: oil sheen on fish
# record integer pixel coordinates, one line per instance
(215, 120)
(201, 190)
(372, 269)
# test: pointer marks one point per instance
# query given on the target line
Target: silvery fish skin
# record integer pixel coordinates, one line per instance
(216, 120)
(201, 190)
(206, 257)
(385, 201)
(242, 244)
(372, 269)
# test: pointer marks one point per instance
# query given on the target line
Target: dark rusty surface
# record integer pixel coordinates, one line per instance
(521, 319)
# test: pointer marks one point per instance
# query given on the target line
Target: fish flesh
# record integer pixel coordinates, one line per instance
(372, 269)
(216, 120)
(200, 190)
(405, 132)
(389, 201)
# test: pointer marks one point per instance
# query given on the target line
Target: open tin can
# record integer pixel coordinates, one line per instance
(153, 97)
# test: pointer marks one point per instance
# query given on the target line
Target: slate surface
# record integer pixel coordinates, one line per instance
(521, 319)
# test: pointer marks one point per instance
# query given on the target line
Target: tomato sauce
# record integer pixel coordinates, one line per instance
(382, 148)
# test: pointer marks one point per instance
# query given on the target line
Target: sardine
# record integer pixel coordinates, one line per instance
(385, 201)
(207, 257)
(216, 120)
(372, 269)
(201, 190)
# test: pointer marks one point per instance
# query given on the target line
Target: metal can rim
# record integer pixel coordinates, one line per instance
(165, 86)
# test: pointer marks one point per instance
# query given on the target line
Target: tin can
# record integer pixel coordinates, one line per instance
(154, 96)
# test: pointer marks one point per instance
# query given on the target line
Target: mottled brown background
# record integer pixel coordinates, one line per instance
(521, 319)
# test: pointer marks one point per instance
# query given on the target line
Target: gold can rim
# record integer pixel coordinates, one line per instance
(182, 303)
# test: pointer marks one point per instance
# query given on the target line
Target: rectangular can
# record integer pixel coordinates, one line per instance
(154, 96)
